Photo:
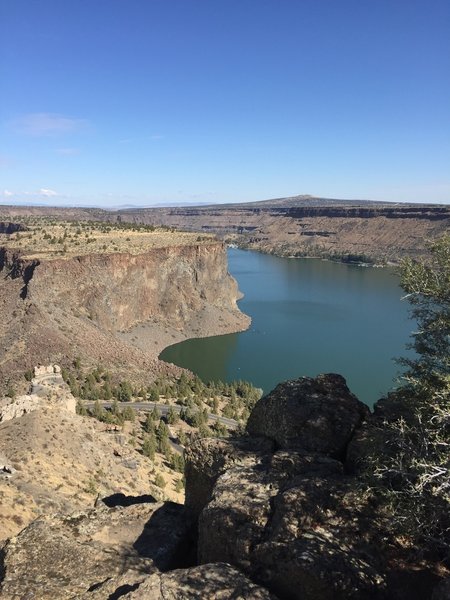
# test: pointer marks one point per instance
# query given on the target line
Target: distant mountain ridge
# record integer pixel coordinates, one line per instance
(360, 231)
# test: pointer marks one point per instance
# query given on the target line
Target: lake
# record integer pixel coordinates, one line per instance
(309, 316)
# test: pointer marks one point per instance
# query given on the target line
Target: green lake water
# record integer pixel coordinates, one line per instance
(308, 317)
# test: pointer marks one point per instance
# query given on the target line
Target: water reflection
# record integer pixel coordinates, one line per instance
(209, 365)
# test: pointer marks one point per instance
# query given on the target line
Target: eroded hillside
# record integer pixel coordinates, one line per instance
(349, 231)
(346, 230)
(110, 295)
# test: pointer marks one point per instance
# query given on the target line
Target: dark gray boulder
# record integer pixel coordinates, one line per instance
(206, 582)
(297, 526)
(207, 459)
(317, 415)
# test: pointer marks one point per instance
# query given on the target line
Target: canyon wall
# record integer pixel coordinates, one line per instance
(116, 309)
(118, 291)
(355, 231)
(368, 232)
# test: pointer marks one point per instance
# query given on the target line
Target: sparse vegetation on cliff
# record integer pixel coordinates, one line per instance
(46, 238)
(115, 294)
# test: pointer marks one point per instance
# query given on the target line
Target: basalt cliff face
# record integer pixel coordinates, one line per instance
(347, 231)
(116, 309)
(119, 291)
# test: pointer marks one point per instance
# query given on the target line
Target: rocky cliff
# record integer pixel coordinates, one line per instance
(277, 513)
(118, 309)
(346, 230)
(299, 226)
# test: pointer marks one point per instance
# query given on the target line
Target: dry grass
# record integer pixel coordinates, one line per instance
(47, 239)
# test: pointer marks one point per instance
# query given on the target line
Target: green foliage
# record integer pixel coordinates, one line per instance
(149, 446)
(80, 408)
(177, 462)
(29, 374)
(107, 391)
(172, 416)
(182, 438)
(409, 465)
(124, 391)
(162, 436)
(98, 412)
(159, 481)
(129, 414)
(155, 414)
(91, 487)
(10, 391)
(148, 424)
(153, 394)
(428, 291)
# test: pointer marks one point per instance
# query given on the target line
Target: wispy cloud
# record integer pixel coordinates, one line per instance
(156, 137)
(46, 124)
(48, 193)
(7, 193)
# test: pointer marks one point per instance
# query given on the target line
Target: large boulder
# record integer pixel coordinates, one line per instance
(64, 557)
(295, 525)
(318, 415)
(207, 459)
(288, 516)
(207, 582)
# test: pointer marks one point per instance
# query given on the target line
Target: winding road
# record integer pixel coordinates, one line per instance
(164, 409)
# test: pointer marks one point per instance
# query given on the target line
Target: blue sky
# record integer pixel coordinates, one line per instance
(115, 102)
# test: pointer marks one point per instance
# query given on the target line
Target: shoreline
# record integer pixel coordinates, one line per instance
(365, 264)
(154, 337)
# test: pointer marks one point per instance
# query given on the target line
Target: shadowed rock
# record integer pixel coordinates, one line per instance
(296, 526)
(207, 582)
(206, 459)
(120, 499)
(318, 415)
(63, 557)
(291, 519)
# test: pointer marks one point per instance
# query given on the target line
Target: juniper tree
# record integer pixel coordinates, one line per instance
(410, 462)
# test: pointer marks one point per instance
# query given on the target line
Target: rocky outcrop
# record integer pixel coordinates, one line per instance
(288, 516)
(64, 557)
(132, 552)
(273, 516)
(118, 291)
(48, 390)
(207, 459)
(15, 408)
(208, 582)
(318, 415)
(9, 228)
(350, 231)
(296, 525)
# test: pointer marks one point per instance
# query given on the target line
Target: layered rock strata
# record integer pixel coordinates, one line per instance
(118, 310)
